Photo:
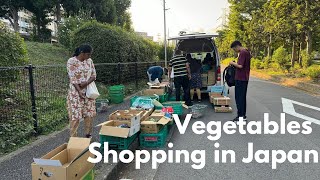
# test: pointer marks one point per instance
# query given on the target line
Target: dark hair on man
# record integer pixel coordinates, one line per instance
(188, 56)
(165, 70)
(84, 48)
(235, 44)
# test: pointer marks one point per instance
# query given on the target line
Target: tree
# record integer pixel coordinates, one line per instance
(40, 9)
(9, 10)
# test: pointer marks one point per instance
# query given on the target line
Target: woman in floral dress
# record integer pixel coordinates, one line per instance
(81, 73)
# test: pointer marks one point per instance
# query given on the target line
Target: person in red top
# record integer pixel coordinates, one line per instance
(242, 78)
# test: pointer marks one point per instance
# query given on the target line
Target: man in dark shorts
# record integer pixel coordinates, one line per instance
(182, 76)
(242, 78)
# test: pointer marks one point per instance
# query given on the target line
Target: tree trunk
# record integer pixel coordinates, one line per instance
(265, 51)
(309, 42)
(15, 17)
(293, 56)
(58, 12)
(299, 54)
(269, 47)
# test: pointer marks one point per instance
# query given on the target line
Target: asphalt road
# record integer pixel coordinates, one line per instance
(263, 97)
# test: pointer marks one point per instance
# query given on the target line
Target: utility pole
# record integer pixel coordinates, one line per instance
(165, 34)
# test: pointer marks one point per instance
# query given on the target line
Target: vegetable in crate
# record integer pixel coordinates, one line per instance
(153, 120)
(124, 126)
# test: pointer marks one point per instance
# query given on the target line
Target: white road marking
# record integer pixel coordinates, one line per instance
(288, 108)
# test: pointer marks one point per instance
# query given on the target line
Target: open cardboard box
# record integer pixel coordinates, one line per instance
(146, 114)
(148, 126)
(133, 116)
(151, 92)
(162, 85)
(66, 162)
(110, 128)
(158, 113)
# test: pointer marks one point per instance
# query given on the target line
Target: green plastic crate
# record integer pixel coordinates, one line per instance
(176, 106)
(116, 98)
(117, 143)
(163, 98)
(173, 98)
(154, 140)
(89, 175)
(117, 89)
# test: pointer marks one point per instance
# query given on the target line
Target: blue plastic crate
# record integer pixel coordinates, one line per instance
(219, 89)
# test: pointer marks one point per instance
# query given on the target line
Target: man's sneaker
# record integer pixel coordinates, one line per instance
(237, 119)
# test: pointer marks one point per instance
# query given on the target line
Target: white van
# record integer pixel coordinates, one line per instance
(199, 46)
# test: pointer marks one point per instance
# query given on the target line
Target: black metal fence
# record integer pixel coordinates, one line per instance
(33, 98)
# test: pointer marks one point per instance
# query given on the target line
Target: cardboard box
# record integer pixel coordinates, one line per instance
(223, 109)
(133, 116)
(148, 126)
(162, 85)
(213, 95)
(146, 114)
(204, 78)
(211, 78)
(221, 101)
(151, 92)
(158, 113)
(110, 128)
(66, 162)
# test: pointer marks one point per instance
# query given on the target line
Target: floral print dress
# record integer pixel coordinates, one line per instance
(79, 72)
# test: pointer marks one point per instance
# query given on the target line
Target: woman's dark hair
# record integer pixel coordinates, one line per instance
(85, 48)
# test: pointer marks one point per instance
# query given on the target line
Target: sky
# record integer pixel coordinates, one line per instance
(190, 15)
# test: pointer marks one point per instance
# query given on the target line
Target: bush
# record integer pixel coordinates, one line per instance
(66, 28)
(227, 61)
(306, 58)
(256, 63)
(161, 53)
(266, 63)
(281, 57)
(13, 49)
(313, 71)
(112, 44)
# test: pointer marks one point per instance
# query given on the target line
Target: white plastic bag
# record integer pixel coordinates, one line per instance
(92, 91)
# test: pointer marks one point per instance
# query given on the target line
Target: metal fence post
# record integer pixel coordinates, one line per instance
(119, 73)
(33, 99)
(136, 74)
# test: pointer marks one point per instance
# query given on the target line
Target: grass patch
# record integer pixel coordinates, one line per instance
(46, 53)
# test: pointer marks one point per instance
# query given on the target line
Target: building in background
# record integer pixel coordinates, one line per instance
(26, 26)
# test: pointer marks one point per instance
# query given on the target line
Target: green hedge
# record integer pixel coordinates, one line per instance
(112, 44)
(13, 49)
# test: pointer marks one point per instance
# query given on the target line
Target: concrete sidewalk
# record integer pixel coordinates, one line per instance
(17, 165)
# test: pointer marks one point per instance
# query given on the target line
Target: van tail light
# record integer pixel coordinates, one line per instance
(219, 74)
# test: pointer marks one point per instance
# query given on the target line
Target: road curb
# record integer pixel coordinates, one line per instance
(294, 83)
